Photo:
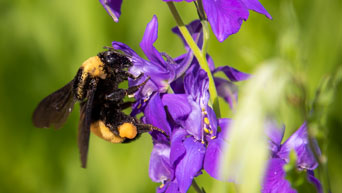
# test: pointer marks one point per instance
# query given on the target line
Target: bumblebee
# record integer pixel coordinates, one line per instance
(96, 87)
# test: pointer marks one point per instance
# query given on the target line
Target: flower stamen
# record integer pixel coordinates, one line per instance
(139, 106)
(206, 120)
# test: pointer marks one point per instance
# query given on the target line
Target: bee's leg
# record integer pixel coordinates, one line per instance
(126, 105)
(129, 75)
(120, 93)
(168, 58)
(143, 128)
(134, 89)
(117, 95)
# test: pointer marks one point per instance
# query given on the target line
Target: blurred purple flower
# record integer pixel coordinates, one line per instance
(226, 16)
(274, 180)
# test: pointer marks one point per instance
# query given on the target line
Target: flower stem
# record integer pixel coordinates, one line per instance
(205, 36)
(200, 56)
(196, 187)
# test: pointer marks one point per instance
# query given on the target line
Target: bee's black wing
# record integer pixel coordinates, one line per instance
(84, 124)
(55, 108)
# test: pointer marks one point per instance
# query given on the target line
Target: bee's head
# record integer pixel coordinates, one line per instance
(115, 60)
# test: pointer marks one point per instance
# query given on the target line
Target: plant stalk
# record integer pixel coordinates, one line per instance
(200, 56)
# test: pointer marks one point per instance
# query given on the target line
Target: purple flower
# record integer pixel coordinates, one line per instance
(160, 168)
(113, 7)
(274, 180)
(161, 71)
(226, 16)
(215, 149)
(175, 160)
(193, 141)
(300, 144)
(225, 88)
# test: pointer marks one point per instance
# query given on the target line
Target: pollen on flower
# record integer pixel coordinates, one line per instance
(139, 106)
(206, 130)
(213, 137)
(206, 120)
(162, 185)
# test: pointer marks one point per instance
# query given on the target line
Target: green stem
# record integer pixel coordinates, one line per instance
(200, 56)
(196, 187)
(205, 36)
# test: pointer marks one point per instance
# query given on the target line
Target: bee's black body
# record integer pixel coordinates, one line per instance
(96, 87)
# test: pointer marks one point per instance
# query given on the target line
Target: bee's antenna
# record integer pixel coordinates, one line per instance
(108, 47)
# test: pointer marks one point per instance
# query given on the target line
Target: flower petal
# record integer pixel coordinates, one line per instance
(191, 164)
(224, 124)
(150, 36)
(160, 169)
(227, 90)
(275, 134)
(196, 84)
(256, 6)
(225, 16)
(195, 29)
(212, 157)
(194, 123)
(113, 7)
(178, 86)
(177, 105)
(160, 76)
(212, 121)
(313, 180)
(172, 188)
(300, 143)
(274, 180)
(155, 114)
(177, 146)
(233, 74)
(215, 149)
(210, 63)
(183, 62)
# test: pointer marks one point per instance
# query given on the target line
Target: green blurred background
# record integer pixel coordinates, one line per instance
(43, 43)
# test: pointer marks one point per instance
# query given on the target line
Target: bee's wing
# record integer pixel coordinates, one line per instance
(54, 109)
(84, 124)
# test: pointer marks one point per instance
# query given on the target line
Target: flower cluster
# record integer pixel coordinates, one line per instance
(176, 99)
(193, 141)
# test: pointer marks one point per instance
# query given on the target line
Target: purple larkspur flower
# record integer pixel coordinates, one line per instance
(160, 71)
(193, 142)
(274, 180)
(226, 16)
